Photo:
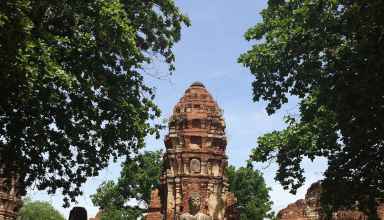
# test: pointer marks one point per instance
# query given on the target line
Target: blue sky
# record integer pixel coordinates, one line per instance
(208, 52)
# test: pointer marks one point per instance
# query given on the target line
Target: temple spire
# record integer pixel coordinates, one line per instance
(195, 161)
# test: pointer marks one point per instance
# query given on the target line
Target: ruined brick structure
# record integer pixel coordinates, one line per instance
(10, 198)
(309, 209)
(194, 161)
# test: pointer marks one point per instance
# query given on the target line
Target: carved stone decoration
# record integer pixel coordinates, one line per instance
(193, 164)
(194, 209)
(230, 204)
(216, 206)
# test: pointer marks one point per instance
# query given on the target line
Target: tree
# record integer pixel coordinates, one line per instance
(72, 89)
(130, 196)
(328, 53)
(121, 214)
(251, 192)
(38, 210)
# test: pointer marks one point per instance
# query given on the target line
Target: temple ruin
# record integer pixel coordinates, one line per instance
(193, 182)
(309, 208)
(10, 196)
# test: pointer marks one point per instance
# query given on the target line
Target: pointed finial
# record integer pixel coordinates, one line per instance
(199, 84)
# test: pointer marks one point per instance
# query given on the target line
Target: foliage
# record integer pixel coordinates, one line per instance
(121, 214)
(130, 196)
(108, 195)
(37, 210)
(329, 53)
(251, 192)
(71, 84)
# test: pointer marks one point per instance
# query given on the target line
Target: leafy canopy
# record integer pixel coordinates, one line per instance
(251, 192)
(330, 54)
(130, 196)
(71, 84)
(38, 210)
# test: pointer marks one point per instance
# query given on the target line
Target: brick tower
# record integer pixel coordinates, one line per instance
(10, 198)
(194, 161)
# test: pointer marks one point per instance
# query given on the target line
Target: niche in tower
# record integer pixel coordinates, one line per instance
(217, 143)
(196, 123)
(195, 166)
(195, 142)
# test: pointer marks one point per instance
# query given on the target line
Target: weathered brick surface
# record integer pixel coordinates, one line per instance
(195, 160)
(309, 209)
(155, 207)
(10, 197)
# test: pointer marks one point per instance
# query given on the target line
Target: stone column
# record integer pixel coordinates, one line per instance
(178, 199)
(204, 168)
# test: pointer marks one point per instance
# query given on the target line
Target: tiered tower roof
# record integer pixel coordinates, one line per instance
(198, 121)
